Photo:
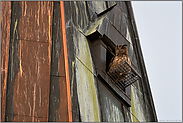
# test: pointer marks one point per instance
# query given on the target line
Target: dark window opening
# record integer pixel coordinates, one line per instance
(109, 55)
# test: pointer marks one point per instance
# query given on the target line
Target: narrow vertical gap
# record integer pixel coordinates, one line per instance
(107, 6)
(54, 94)
(80, 117)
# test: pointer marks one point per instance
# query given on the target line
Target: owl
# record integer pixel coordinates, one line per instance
(121, 55)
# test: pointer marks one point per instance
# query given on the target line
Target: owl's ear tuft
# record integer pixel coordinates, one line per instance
(117, 49)
(117, 46)
(124, 46)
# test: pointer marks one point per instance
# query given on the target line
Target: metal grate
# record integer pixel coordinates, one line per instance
(123, 81)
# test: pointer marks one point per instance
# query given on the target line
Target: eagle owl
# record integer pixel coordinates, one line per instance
(121, 55)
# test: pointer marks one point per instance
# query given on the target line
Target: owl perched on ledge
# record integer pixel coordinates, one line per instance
(121, 55)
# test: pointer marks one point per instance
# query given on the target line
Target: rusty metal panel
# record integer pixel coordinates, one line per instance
(5, 38)
(36, 21)
(112, 110)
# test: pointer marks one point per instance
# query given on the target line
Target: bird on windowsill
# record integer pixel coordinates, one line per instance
(121, 55)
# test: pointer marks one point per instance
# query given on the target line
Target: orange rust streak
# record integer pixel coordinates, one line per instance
(66, 60)
(5, 34)
(4, 69)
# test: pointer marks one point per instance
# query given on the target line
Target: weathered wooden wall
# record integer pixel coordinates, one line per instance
(32, 66)
(5, 38)
(34, 78)
(89, 103)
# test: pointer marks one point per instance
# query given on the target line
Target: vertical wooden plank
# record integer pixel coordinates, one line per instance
(13, 61)
(29, 119)
(66, 60)
(70, 30)
(54, 96)
(36, 21)
(58, 105)
(5, 38)
(31, 89)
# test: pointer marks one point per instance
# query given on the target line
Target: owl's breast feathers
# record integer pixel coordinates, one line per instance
(116, 60)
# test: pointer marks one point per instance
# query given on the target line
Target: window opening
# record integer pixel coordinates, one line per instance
(120, 68)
